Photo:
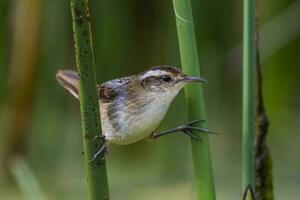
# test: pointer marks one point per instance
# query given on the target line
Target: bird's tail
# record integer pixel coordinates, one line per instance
(69, 80)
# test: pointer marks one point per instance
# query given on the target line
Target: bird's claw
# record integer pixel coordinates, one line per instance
(189, 128)
(189, 133)
(194, 122)
(102, 150)
(98, 137)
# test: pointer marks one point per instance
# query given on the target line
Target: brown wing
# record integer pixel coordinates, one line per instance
(110, 90)
(106, 93)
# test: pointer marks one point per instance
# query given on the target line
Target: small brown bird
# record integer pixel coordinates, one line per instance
(132, 107)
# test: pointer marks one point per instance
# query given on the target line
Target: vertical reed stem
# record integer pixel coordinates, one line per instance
(248, 94)
(89, 106)
(263, 159)
(194, 98)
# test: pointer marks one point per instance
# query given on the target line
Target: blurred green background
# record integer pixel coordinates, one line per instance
(41, 121)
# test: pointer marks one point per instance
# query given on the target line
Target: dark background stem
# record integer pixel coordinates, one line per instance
(263, 160)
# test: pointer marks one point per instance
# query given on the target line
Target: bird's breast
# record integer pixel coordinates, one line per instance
(130, 123)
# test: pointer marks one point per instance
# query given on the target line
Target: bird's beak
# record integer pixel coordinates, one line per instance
(193, 79)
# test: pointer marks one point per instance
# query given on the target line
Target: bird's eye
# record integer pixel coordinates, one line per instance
(166, 78)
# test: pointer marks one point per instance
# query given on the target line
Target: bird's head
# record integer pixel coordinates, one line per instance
(165, 79)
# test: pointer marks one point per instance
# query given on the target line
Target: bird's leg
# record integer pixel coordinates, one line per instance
(186, 129)
(99, 137)
(103, 148)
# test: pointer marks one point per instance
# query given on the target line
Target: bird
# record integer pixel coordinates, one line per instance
(132, 107)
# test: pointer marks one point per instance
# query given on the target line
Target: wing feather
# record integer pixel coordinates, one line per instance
(108, 91)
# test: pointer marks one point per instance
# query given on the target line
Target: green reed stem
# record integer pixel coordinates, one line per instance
(95, 171)
(248, 94)
(194, 98)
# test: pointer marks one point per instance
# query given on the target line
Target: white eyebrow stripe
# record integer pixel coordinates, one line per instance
(155, 73)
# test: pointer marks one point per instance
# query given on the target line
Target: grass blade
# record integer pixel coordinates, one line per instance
(25, 179)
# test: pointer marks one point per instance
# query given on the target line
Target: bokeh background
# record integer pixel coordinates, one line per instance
(40, 121)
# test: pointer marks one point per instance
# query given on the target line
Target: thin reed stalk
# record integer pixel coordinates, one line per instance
(91, 127)
(194, 98)
(248, 95)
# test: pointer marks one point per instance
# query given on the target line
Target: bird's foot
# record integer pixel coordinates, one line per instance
(102, 151)
(187, 129)
(98, 137)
